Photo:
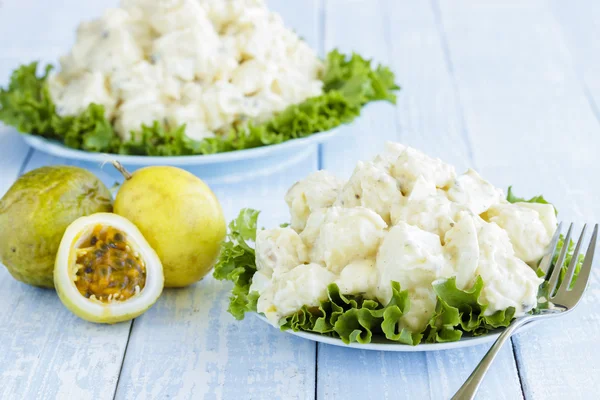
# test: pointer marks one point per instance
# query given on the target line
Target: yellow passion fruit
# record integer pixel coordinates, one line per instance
(180, 217)
(106, 271)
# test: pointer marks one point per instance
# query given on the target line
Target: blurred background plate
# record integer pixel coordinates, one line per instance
(227, 167)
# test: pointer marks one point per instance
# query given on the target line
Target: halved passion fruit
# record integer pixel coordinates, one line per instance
(105, 270)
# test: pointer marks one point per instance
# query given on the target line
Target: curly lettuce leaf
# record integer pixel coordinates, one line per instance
(443, 323)
(355, 78)
(459, 311)
(26, 104)
(348, 83)
(158, 140)
(512, 198)
(354, 318)
(237, 262)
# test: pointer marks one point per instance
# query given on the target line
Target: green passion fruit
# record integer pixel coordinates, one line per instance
(179, 216)
(105, 270)
(35, 212)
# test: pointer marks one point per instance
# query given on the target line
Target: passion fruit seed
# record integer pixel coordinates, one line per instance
(107, 268)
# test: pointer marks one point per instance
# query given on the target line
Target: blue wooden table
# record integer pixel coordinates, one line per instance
(510, 88)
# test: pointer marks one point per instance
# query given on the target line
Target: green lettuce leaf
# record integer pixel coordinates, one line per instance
(354, 318)
(458, 311)
(568, 259)
(356, 79)
(348, 82)
(26, 104)
(237, 262)
(443, 323)
(512, 198)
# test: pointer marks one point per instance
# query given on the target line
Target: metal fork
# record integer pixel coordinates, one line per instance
(564, 298)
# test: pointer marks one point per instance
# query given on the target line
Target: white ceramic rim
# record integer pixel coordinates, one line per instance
(385, 345)
(56, 148)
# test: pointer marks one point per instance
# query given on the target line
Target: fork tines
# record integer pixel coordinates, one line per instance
(569, 290)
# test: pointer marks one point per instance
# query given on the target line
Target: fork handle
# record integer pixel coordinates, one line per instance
(468, 390)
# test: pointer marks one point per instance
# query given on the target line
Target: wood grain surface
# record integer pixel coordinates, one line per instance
(507, 87)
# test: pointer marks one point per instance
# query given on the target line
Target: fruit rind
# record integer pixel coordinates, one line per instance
(95, 311)
(35, 212)
(184, 224)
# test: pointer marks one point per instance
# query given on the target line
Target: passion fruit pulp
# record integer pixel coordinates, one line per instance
(106, 271)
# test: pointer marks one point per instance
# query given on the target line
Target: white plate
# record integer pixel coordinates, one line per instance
(382, 344)
(56, 148)
(229, 168)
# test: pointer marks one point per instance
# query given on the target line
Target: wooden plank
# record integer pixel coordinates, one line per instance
(48, 352)
(578, 24)
(428, 111)
(58, 355)
(41, 30)
(532, 126)
(13, 153)
(102, 347)
(188, 346)
(349, 373)
(55, 370)
(521, 90)
(359, 26)
(430, 118)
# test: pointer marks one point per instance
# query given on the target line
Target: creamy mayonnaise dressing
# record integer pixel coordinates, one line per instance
(403, 217)
(208, 64)
(318, 190)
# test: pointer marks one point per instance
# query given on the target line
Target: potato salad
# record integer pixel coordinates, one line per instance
(208, 64)
(402, 217)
